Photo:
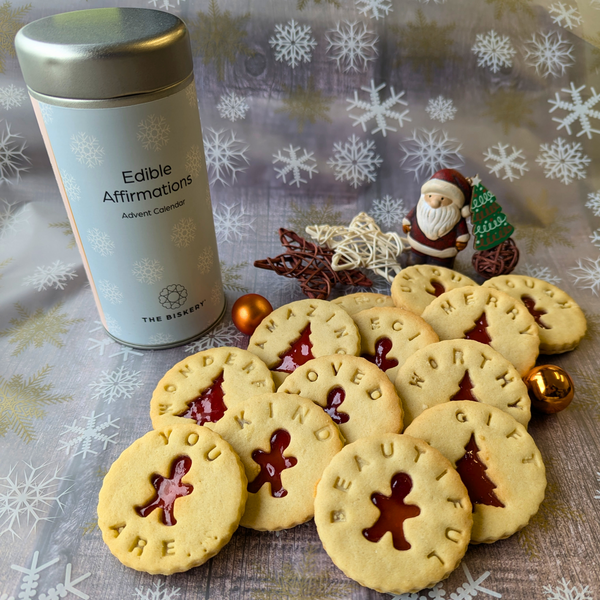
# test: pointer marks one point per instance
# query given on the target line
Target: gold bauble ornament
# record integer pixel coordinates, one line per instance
(248, 311)
(551, 388)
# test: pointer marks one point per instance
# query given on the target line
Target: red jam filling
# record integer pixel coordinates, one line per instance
(299, 353)
(168, 490)
(529, 302)
(438, 288)
(335, 397)
(479, 332)
(393, 512)
(208, 407)
(272, 464)
(465, 388)
(472, 472)
(382, 347)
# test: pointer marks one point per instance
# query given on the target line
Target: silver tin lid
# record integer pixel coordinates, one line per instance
(104, 53)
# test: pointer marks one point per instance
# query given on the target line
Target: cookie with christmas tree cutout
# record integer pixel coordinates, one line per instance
(414, 288)
(393, 514)
(461, 370)
(490, 317)
(389, 336)
(172, 499)
(297, 332)
(561, 323)
(359, 398)
(285, 442)
(353, 303)
(496, 458)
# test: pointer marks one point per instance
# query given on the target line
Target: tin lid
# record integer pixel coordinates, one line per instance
(104, 53)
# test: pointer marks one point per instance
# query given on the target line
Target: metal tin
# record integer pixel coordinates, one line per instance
(114, 95)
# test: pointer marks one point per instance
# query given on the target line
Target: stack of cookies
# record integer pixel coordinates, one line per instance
(307, 422)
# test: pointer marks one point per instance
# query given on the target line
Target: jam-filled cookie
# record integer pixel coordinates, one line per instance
(496, 458)
(203, 386)
(285, 442)
(297, 332)
(353, 303)
(393, 514)
(172, 499)
(488, 316)
(359, 398)
(561, 323)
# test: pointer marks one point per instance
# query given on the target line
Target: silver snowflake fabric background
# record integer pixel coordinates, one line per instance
(313, 111)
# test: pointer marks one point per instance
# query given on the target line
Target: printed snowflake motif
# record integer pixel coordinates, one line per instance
(110, 291)
(375, 110)
(352, 45)
(440, 109)
(86, 436)
(11, 96)
(507, 162)
(125, 351)
(183, 232)
(28, 497)
(587, 274)
(549, 53)
(116, 385)
(565, 15)
(206, 261)
(65, 226)
(153, 132)
(216, 295)
(437, 592)
(593, 203)
(295, 164)
(541, 273)
(224, 155)
(429, 151)
(293, 43)
(13, 160)
(595, 238)
(194, 160)
(388, 211)
(47, 112)
(355, 161)
(100, 242)
(309, 214)
(10, 23)
(493, 51)
(224, 334)
(12, 217)
(31, 577)
(470, 589)
(564, 591)
(232, 223)
(160, 339)
(233, 107)
(165, 4)
(71, 188)
(87, 150)
(563, 161)
(231, 277)
(158, 591)
(148, 270)
(100, 345)
(54, 276)
(374, 8)
(579, 111)
(306, 104)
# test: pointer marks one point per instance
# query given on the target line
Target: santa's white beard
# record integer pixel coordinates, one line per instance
(436, 222)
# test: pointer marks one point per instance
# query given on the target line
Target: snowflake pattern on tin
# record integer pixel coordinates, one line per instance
(72, 189)
(493, 51)
(12, 96)
(563, 161)
(224, 155)
(509, 163)
(206, 261)
(100, 242)
(563, 590)
(388, 211)
(593, 203)
(183, 232)
(232, 107)
(295, 164)
(116, 385)
(224, 334)
(587, 274)
(161, 339)
(153, 132)
(194, 160)
(428, 151)
(440, 109)
(565, 15)
(549, 53)
(56, 276)
(355, 161)
(13, 160)
(216, 295)
(87, 150)
(148, 270)
(93, 431)
(47, 112)
(158, 591)
(110, 291)
(578, 110)
(375, 9)
(293, 43)
(27, 498)
(374, 109)
(352, 46)
(232, 222)
(13, 216)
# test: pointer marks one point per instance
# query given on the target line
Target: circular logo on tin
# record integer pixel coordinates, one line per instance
(173, 296)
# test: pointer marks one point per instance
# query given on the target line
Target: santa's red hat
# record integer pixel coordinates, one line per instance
(451, 184)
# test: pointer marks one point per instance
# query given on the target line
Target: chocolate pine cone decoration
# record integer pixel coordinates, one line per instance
(311, 266)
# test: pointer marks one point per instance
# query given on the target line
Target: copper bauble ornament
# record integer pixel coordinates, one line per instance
(551, 388)
(248, 311)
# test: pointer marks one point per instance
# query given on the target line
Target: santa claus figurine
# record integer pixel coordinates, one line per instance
(437, 227)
